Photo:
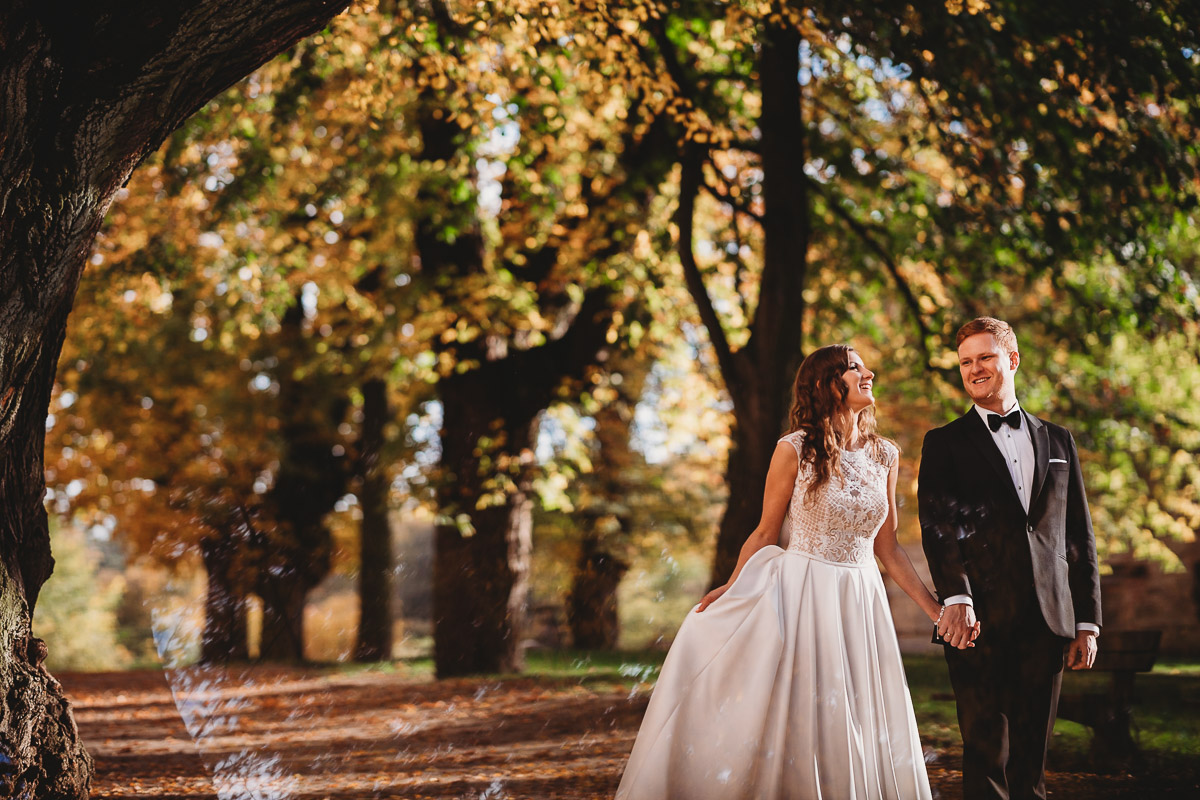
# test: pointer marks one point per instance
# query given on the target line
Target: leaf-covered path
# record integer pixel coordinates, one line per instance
(308, 734)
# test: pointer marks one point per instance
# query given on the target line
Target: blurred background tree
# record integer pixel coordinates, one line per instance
(80, 113)
(542, 272)
(933, 162)
(78, 616)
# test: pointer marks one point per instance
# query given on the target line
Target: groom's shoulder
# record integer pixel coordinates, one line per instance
(951, 428)
(1054, 429)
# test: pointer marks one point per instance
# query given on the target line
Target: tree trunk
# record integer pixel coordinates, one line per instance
(592, 612)
(85, 96)
(759, 375)
(480, 591)
(745, 475)
(481, 564)
(224, 639)
(375, 533)
(313, 475)
(481, 567)
(282, 638)
(40, 751)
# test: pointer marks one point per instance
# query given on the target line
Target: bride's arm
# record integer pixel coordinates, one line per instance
(895, 560)
(781, 479)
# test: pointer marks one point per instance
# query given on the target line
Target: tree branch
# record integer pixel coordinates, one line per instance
(860, 230)
(174, 59)
(689, 184)
(727, 196)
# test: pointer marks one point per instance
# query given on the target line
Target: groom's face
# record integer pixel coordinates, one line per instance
(987, 370)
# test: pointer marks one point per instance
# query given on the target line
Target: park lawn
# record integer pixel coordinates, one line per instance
(1166, 713)
(563, 729)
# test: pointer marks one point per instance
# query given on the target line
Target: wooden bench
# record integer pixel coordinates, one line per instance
(1122, 654)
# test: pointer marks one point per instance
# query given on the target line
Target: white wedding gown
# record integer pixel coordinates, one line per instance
(790, 686)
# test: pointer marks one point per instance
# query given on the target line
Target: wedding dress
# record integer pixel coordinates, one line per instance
(790, 685)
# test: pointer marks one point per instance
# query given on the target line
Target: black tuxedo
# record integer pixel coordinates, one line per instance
(1031, 577)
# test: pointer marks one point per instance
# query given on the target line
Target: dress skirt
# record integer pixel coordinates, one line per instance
(789, 687)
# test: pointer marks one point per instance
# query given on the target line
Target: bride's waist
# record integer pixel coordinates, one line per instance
(854, 550)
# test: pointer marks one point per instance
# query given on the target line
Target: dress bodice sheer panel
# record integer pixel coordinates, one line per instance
(839, 522)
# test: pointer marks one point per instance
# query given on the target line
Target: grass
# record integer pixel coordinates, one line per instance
(933, 702)
(1166, 712)
(624, 668)
(641, 665)
(1175, 666)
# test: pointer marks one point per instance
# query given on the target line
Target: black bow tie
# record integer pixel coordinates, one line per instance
(1013, 420)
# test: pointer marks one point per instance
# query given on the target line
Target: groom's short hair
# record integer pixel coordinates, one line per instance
(996, 327)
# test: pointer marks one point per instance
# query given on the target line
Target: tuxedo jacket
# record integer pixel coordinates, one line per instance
(980, 541)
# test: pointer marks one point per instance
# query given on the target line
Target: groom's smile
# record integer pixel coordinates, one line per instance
(987, 371)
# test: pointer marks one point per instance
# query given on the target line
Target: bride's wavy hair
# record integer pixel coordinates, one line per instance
(818, 393)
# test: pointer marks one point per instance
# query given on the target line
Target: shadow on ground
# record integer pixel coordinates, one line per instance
(270, 733)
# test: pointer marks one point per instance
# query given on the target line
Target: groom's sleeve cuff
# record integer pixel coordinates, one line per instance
(962, 599)
(1087, 626)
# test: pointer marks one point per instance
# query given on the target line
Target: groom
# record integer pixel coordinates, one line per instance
(1007, 533)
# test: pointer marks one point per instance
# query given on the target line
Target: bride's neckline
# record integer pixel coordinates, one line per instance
(862, 445)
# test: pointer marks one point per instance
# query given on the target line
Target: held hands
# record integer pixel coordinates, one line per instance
(958, 626)
(1081, 653)
(711, 596)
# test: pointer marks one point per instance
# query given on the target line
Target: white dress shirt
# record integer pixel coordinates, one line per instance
(1016, 445)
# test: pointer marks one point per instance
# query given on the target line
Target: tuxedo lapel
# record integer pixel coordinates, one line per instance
(983, 443)
(1041, 454)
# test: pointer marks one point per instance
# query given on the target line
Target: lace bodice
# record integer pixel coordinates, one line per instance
(839, 524)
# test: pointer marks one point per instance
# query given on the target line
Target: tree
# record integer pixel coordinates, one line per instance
(79, 116)
(522, 291)
(374, 641)
(241, 447)
(636, 477)
(879, 140)
(605, 518)
(574, 188)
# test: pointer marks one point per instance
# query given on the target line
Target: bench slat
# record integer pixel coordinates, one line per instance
(1108, 661)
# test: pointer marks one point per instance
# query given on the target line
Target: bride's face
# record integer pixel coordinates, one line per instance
(859, 380)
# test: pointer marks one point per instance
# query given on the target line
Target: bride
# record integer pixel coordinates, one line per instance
(787, 681)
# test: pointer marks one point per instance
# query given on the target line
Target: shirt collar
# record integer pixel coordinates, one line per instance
(984, 413)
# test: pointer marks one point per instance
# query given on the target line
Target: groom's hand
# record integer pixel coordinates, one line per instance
(1081, 653)
(959, 627)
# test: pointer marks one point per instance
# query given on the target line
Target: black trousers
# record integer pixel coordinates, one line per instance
(1006, 689)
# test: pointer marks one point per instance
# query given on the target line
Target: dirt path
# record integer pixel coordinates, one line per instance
(270, 734)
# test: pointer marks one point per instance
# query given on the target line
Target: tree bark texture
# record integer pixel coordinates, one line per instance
(375, 533)
(481, 567)
(592, 610)
(85, 94)
(312, 476)
(225, 602)
(759, 375)
(482, 554)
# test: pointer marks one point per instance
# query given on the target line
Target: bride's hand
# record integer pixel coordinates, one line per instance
(711, 597)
